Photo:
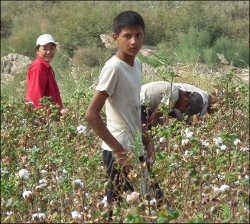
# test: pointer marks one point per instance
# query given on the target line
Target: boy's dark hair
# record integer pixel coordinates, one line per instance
(128, 19)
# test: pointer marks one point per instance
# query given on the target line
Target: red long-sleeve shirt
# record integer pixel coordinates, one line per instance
(41, 82)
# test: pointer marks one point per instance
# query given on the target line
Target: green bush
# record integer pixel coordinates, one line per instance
(209, 56)
(236, 52)
(87, 56)
(191, 45)
(78, 24)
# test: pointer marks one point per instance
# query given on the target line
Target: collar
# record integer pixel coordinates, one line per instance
(46, 64)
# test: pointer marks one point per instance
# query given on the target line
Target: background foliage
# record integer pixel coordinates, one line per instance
(189, 30)
(65, 166)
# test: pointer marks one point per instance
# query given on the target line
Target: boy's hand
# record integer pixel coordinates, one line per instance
(123, 159)
(150, 159)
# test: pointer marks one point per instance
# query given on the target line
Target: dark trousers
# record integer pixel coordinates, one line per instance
(120, 181)
(118, 178)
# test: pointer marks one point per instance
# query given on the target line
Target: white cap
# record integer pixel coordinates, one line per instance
(44, 39)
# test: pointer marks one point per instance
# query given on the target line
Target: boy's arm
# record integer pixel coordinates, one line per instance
(95, 121)
(155, 117)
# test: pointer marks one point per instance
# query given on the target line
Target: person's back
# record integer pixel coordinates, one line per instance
(152, 93)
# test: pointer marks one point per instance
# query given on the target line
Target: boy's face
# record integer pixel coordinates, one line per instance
(129, 40)
(46, 52)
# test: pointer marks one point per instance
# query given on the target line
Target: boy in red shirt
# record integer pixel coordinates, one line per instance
(41, 78)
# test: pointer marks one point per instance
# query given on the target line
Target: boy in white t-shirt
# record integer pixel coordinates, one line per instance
(119, 89)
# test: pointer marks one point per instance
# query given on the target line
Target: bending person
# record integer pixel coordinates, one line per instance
(184, 100)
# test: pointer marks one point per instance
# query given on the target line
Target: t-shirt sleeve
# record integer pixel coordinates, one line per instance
(108, 80)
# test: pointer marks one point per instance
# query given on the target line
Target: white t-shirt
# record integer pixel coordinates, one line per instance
(122, 83)
(154, 93)
(191, 88)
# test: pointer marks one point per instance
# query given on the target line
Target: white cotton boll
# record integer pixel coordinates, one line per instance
(237, 182)
(78, 183)
(23, 174)
(27, 194)
(204, 143)
(132, 197)
(247, 177)
(223, 147)
(43, 183)
(184, 141)
(244, 149)
(176, 146)
(162, 139)
(9, 213)
(237, 141)
(86, 195)
(43, 173)
(135, 195)
(221, 176)
(129, 198)
(203, 152)
(79, 128)
(186, 153)
(153, 202)
(216, 190)
(38, 216)
(218, 141)
(224, 188)
(76, 215)
(82, 129)
(189, 134)
(105, 202)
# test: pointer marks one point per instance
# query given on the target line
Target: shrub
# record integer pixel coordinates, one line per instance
(209, 56)
(88, 56)
(235, 51)
(191, 45)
